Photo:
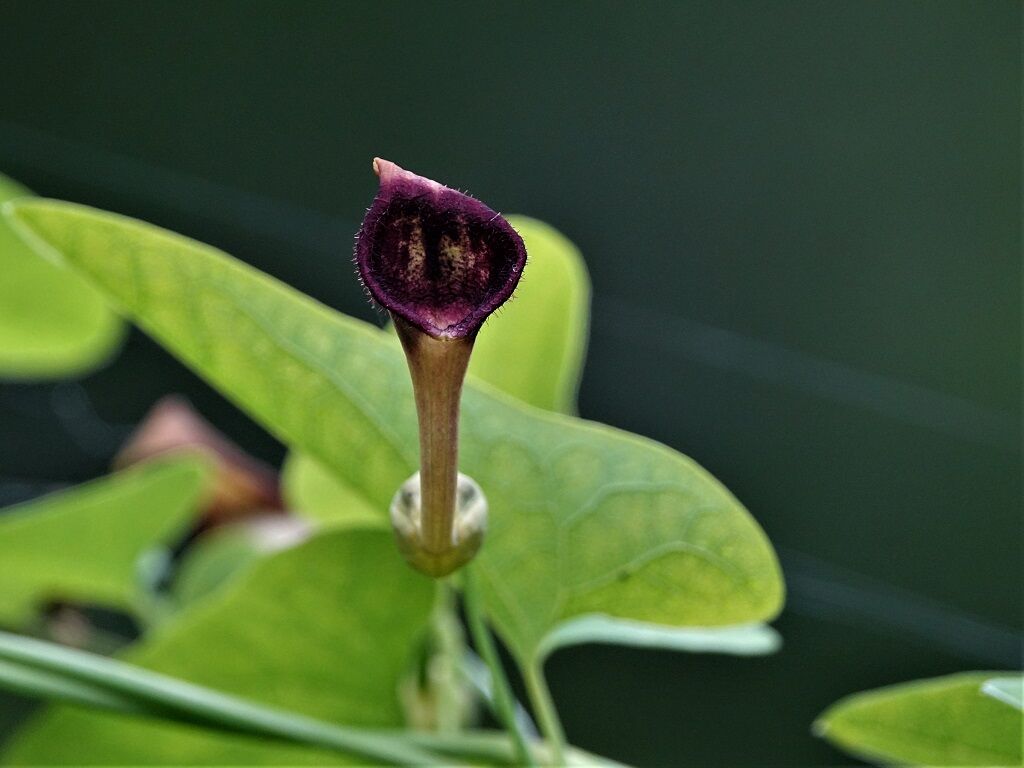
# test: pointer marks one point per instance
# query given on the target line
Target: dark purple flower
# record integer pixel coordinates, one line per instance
(440, 260)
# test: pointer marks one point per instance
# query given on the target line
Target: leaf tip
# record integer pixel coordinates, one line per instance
(820, 727)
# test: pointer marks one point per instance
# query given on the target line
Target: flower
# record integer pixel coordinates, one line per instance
(440, 262)
(435, 257)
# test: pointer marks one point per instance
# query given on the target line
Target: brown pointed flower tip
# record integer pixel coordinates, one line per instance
(440, 260)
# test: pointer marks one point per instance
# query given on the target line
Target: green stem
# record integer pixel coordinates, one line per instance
(43, 670)
(39, 668)
(544, 709)
(500, 691)
(443, 669)
(39, 684)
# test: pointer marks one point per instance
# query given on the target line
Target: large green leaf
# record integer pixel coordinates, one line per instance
(324, 629)
(532, 352)
(943, 721)
(219, 555)
(52, 323)
(533, 347)
(211, 561)
(1009, 690)
(83, 544)
(584, 518)
(319, 494)
(315, 492)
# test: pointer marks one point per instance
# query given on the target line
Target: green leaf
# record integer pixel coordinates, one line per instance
(943, 721)
(584, 518)
(84, 544)
(219, 555)
(533, 350)
(52, 323)
(741, 640)
(212, 561)
(313, 491)
(323, 629)
(1009, 690)
(533, 347)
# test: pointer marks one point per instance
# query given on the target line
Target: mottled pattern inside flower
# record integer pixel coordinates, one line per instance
(439, 258)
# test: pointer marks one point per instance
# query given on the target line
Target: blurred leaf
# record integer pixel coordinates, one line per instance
(533, 347)
(84, 544)
(1009, 690)
(52, 323)
(313, 491)
(211, 561)
(319, 494)
(76, 737)
(224, 552)
(742, 640)
(584, 518)
(324, 629)
(243, 486)
(943, 721)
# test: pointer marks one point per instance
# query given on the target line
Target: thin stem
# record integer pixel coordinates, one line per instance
(51, 671)
(39, 684)
(443, 668)
(544, 709)
(501, 692)
(470, 746)
(437, 367)
(478, 675)
(436, 541)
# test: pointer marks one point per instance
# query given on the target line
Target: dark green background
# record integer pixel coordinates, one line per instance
(802, 221)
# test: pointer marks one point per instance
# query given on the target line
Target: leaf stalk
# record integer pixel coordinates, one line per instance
(501, 691)
(544, 708)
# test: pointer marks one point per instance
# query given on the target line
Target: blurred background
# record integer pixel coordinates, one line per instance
(803, 226)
